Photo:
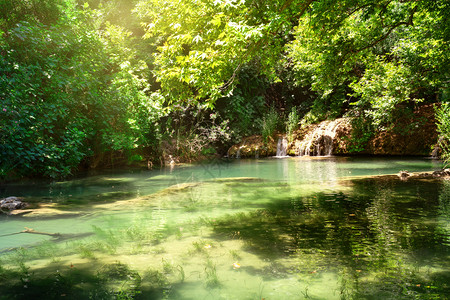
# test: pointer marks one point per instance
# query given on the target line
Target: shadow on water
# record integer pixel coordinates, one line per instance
(390, 238)
(75, 192)
(82, 281)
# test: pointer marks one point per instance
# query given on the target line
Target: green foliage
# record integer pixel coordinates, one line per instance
(382, 54)
(43, 11)
(202, 45)
(443, 124)
(244, 111)
(383, 86)
(292, 123)
(82, 78)
(69, 91)
(270, 123)
(194, 132)
(246, 104)
(362, 133)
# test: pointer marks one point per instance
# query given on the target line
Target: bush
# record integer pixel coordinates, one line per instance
(69, 91)
(292, 123)
(270, 123)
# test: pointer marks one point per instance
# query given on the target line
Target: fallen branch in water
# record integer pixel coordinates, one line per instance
(31, 230)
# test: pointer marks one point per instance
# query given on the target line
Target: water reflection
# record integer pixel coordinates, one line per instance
(127, 184)
(381, 248)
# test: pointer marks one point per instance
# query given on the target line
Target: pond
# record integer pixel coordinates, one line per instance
(292, 228)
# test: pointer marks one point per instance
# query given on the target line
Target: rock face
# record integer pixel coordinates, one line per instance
(11, 203)
(254, 147)
(323, 139)
(413, 134)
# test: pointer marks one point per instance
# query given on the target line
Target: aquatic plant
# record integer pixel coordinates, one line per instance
(127, 294)
(199, 246)
(192, 201)
(85, 251)
(211, 279)
(124, 281)
(48, 249)
(111, 239)
(155, 279)
(111, 281)
(137, 247)
(235, 254)
(136, 232)
(20, 255)
(170, 229)
(181, 273)
(306, 295)
(168, 266)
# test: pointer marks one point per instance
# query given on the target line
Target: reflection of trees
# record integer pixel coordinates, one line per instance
(444, 211)
(77, 191)
(318, 170)
(381, 232)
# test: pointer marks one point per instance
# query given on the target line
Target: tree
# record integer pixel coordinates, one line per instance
(70, 91)
(202, 45)
(382, 54)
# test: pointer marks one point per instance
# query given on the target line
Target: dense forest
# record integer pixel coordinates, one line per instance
(90, 83)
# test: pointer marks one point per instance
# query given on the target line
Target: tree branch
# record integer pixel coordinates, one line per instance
(359, 8)
(257, 45)
(305, 7)
(383, 37)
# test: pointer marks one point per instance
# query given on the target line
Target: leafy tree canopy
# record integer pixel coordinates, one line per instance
(83, 77)
(70, 88)
(336, 47)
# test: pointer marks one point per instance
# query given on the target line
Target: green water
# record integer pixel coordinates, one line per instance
(296, 228)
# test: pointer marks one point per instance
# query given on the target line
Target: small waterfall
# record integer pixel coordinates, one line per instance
(238, 153)
(282, 147)
(319, 142)
(437, 148)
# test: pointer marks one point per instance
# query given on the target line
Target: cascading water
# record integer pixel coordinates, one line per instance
(238, 153)
(319, 142)
(282, 147)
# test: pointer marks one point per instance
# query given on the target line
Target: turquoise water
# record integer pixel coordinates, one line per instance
(294, 228)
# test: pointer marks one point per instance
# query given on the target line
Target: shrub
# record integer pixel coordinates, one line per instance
(270, 123)
(292, 123)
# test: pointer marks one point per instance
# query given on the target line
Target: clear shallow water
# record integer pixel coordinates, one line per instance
(294, 228)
